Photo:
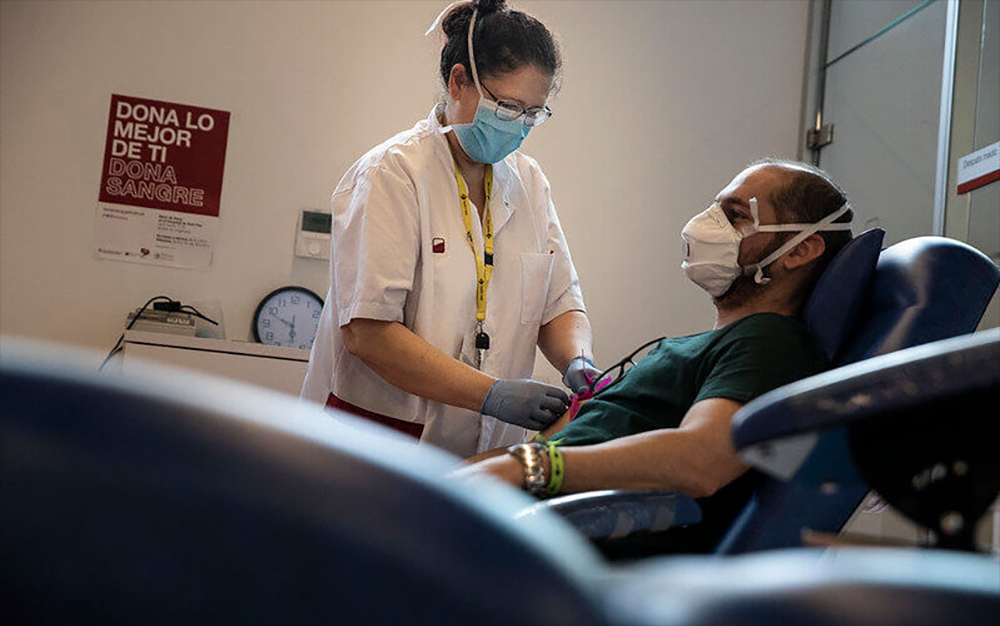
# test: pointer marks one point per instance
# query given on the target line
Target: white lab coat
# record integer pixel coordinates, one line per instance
(389, 210)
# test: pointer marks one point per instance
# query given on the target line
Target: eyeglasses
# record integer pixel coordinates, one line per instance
(508, 111)
(617, 371)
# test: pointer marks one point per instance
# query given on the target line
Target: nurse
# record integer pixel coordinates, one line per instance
(448, 264)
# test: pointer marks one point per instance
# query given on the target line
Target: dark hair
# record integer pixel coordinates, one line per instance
(809, 196)
(504, 40)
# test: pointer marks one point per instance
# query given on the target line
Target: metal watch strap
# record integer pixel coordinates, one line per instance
(530, 456)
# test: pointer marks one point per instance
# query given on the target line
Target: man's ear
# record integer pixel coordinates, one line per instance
(457, 80)
(808, 250)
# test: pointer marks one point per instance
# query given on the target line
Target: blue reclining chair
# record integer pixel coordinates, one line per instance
(175, 499)
(866, 304)
(916, 426)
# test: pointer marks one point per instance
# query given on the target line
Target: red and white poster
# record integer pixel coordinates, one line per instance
(161, 183)
(980, 168)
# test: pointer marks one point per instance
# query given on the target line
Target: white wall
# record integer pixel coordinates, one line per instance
(662, 103)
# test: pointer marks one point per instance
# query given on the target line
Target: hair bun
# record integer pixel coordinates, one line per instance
(455, 23)
(504, 40)
(489, 6)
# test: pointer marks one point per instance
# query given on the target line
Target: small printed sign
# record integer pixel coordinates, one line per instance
(161, 183)
(982, 167)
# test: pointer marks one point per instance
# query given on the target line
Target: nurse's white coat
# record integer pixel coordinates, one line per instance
(388, 211)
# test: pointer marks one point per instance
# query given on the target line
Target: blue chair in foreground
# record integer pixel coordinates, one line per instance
(197, 501)
(867, 303)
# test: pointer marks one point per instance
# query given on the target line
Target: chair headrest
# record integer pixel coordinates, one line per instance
(925, 289)
(835, 305)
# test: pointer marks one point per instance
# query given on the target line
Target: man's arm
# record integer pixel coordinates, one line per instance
(695, 459)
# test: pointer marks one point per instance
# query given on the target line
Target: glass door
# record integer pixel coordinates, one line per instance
(884, 76)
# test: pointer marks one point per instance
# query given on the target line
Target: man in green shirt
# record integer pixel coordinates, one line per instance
(664, 424)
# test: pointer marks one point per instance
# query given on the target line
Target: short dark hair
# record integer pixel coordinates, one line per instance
(809, 196)
(504, 40)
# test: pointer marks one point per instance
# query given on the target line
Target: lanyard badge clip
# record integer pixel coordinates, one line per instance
(482, 343)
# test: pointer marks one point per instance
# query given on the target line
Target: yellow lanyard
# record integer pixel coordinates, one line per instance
(484, 264)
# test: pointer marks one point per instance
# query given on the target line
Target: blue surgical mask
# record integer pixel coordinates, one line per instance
(488, 139)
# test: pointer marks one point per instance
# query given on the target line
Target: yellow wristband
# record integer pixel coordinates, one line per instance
(557, 469)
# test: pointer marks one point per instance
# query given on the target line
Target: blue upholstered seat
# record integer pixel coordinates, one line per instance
(833, 309)
(175, 499)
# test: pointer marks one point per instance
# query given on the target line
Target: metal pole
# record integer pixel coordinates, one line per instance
(944, 119)
(824, 44)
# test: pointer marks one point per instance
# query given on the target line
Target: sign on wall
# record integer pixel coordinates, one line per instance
(980, 168)
(161, 183)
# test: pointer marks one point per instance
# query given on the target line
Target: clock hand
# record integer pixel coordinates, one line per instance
(286, 321)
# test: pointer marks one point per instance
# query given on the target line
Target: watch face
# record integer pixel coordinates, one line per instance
(288, 317)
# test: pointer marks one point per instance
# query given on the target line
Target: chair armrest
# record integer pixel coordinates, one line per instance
(870, 389)
(614, 514)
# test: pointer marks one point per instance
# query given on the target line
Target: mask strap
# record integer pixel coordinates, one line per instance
(437, 20)
(824, 224)
(786, 228)
(472, 55)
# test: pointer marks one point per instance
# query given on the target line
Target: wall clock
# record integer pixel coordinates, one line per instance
(288, 317)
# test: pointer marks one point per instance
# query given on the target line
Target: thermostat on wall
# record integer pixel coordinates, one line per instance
(313, 238)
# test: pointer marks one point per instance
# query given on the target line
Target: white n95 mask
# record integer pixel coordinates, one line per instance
(712, 246)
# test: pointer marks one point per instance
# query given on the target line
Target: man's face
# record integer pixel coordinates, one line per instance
(754, 182)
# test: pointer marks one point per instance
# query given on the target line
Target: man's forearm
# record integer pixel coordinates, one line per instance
(635, 463)
(631, 463)
(695, 459)
(664, 460)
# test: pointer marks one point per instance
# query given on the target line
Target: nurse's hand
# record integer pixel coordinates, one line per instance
(579, 373)
(525, 402)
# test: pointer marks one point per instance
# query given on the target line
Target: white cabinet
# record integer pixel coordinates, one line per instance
(273, 367)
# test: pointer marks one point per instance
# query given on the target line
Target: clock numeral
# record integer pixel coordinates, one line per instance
(316, 314)
(295, 300)
(282, 302)
(268, 335)
(273, 310)
(266, 323)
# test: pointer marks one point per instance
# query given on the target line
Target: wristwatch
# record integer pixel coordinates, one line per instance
(530, 455)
